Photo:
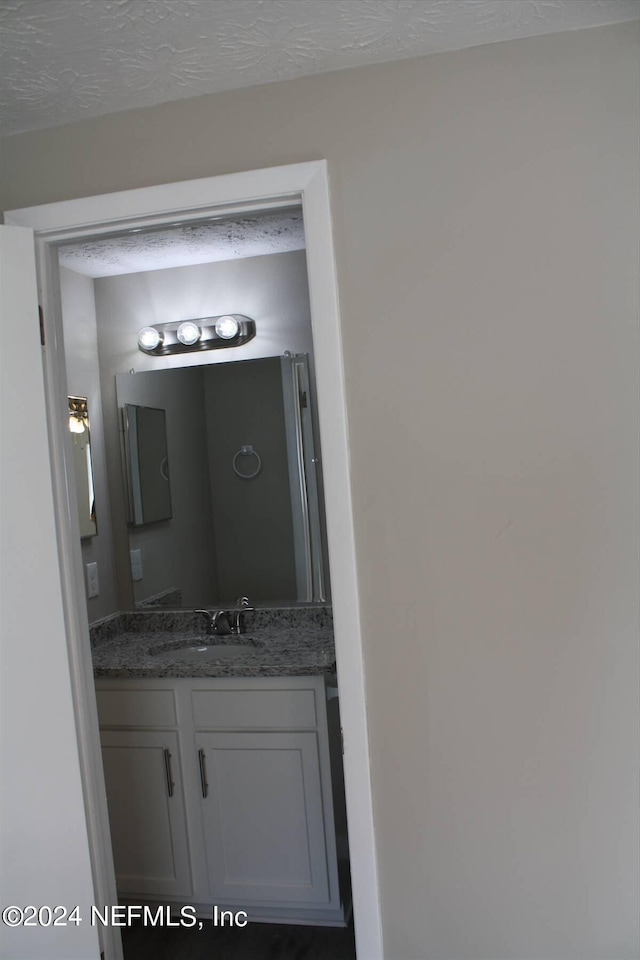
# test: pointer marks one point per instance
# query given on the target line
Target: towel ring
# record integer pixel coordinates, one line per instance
(247, 451)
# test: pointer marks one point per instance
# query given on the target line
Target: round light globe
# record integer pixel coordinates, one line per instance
(227, 327)
(188, 333)
(149, 338)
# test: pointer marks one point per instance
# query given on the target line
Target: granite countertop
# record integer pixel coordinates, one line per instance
(284, 642)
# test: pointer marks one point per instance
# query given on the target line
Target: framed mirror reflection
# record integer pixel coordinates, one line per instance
(241, 515)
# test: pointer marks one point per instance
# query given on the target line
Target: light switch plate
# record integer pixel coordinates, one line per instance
(93, 584)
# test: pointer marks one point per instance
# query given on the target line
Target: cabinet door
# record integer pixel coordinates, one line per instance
(146, 811)
(263, 817)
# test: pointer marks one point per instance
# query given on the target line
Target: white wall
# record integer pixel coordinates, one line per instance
(485, 211)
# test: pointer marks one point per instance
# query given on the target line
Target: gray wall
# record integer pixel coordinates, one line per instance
(252, 518)
(485, 214)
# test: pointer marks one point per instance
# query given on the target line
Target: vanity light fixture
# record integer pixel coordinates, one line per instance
(205, 333)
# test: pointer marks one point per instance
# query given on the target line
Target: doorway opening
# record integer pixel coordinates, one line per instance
(57, 224)
(198, 535)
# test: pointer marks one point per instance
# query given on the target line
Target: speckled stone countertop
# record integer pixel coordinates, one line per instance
(295, 641)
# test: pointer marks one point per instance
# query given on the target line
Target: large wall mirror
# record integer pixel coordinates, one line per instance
(241, 515)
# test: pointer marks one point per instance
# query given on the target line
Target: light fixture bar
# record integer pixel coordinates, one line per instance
(171, 338)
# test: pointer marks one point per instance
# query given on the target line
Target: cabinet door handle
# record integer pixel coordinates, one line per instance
(203, 774)
(167, 770)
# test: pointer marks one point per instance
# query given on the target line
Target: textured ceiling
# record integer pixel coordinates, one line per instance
(181, 246)
(67, 60)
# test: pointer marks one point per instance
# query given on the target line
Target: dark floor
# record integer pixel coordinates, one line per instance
(256, 941)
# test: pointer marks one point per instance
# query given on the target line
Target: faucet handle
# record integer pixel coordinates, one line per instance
(210, 619)
(242, 606)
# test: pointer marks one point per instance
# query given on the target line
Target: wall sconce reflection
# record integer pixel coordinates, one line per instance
(206, 333)
(78, 415)
(83, 468)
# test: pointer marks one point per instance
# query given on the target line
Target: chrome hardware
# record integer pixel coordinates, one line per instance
(220, 622)
(224, 622)
(203, 774)
(238, 624)
(168, 773)
(217, 622)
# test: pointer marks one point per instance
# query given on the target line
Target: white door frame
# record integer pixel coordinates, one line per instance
(151, 206)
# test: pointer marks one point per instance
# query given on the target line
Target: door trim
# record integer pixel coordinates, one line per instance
(54, 223)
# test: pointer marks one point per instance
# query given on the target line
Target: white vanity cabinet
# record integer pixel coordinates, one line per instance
(146, 811)
(251, 802)
(145, 790)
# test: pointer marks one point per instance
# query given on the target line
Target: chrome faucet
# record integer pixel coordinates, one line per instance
(243, 606)
(217, 621)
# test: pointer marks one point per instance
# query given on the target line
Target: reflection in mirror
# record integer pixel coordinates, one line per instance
(246, 513)
(147, 462)
(81, 441)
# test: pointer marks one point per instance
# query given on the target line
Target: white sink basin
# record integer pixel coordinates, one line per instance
(205, 651)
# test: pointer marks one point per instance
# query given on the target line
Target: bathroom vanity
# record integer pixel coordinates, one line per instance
(218, 767)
